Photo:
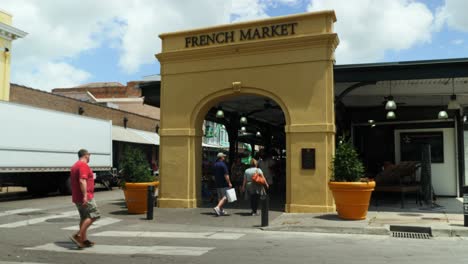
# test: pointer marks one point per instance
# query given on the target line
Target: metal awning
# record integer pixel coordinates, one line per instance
(214, 146)
(403, 70)
(134, 136)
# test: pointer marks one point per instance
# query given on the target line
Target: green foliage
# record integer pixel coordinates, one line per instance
(346, 165)
(135, 167)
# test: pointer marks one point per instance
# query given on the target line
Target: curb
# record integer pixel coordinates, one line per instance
(449, 232)
(331, 230)
(385, 230)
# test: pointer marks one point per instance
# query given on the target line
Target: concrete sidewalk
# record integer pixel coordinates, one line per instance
(445, 220)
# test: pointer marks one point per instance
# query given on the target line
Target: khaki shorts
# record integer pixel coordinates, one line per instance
(221, 192)
(88, 211)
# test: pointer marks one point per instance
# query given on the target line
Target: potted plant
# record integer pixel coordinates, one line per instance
(351, 194)
(136, 179)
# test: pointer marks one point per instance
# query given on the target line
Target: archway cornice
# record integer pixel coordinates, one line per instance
(328, 40)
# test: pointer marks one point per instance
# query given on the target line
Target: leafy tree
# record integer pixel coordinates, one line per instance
(134, 166)
(347, 167)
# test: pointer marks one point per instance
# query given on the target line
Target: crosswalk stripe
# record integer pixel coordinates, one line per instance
(125, 250)
(19, 211)
(39, 219)
(10, 262)
(100, 223)
(213, 235)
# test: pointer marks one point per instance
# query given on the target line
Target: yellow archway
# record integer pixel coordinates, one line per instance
(287, 59)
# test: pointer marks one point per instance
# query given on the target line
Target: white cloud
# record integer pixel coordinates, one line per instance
(51, 75)
(453, 13)
(458, 41)
(368, 28)
(145, 21)
(60, 31)
(242, 10)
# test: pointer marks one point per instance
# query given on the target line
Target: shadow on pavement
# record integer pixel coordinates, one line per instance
(67, 245)
(244, 214)
(332, 217)
(209, 214)
(121, 212)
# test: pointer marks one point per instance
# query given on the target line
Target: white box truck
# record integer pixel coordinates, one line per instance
(39, 146)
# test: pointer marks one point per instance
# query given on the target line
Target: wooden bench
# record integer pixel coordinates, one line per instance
(401, 178)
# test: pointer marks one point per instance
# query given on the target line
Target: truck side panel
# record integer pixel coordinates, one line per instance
(33, 138)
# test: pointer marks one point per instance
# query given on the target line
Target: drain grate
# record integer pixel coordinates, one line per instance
(412, 232)
(411, 235)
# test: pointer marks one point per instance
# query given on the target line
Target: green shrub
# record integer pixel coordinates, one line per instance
(346, 165)
(135, 167)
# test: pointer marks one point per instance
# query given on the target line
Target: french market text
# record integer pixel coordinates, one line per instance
(279, 30)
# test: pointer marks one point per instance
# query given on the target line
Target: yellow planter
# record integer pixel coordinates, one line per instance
(136, 196)
(352, 198)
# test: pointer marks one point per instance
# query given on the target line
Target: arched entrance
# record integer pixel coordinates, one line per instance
(245, 127)
(287, 59)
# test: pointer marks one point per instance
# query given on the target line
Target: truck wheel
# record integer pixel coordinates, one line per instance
(38, 189)
(65, 186)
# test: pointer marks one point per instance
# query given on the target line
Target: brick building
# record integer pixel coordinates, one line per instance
(112, 94)
(25, 95)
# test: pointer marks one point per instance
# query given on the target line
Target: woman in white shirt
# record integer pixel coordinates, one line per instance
(254, 190)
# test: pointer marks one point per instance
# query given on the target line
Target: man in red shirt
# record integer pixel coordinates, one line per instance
(82, 183)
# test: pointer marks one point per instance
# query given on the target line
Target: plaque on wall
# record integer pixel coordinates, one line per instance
(308, 158)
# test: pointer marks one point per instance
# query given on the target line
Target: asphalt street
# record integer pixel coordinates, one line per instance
(37, 230)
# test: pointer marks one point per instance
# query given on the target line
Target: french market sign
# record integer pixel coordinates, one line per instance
(225, 37)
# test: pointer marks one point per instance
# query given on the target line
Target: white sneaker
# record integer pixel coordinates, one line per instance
(217, 211)
(224, 213)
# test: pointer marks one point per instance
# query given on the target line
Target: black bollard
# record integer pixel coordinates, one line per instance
(465, 205)
(150, 203)
(265, 209)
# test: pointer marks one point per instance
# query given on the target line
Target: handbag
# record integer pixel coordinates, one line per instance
(257, 178)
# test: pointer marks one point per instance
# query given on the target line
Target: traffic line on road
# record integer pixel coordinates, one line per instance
(212, 235)
(19, 211)
(39, 220)
(99, 223)
(10, 262)
(124, 250)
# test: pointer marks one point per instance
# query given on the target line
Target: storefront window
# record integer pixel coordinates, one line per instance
(411, 142)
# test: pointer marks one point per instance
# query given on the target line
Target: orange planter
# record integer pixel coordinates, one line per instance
(136, 196)
(352, 198)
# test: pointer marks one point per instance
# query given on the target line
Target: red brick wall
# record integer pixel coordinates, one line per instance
(37, 98)
(131, 90)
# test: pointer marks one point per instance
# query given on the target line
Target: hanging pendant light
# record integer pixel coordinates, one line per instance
(390, 105)
(391, 115)
(259, 134)
(243, 129)
(453, 104)
(442, 115)
(220, 113)
(243, 120)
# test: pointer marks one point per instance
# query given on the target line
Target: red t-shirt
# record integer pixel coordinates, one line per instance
(81, 170)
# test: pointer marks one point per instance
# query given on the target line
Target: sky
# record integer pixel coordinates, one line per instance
(73, 42)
